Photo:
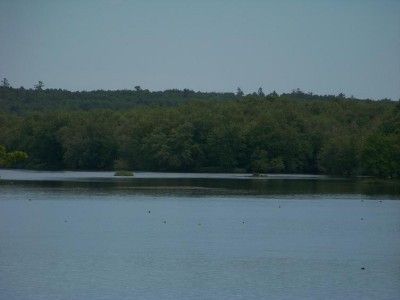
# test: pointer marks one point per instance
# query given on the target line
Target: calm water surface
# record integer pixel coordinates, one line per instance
(72, 235)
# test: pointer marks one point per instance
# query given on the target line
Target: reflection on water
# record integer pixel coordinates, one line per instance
(99, 175)
(201, 184)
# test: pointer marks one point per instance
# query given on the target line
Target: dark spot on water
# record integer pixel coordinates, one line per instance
(149, 211)
(362, 219)
(362, 268)
(165, 222)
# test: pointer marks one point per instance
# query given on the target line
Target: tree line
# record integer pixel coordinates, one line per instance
(201, 132)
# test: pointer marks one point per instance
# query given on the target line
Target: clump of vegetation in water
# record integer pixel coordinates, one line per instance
(259, 175)
(123, 173)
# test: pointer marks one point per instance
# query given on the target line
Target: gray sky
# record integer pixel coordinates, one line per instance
(326, 47)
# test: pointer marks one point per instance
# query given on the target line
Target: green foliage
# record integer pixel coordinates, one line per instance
(88, 143)
(120, 165)
(381, 151)
(191, 131)
(381, 156)
(38, 135)
(23, 101)
(277, 165)
(10, 159)
(259, 162)
(339, 156)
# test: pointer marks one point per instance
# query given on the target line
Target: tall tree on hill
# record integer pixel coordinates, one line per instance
(239, 92)
(39, 86)
(5, 83)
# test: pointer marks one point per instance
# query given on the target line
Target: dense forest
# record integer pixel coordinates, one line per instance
(183, 130)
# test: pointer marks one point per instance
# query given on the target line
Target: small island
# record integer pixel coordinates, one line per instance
(124, 173)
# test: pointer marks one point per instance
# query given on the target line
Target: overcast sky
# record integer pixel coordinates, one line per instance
(325, 47)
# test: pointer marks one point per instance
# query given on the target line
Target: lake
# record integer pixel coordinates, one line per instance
(90, 235)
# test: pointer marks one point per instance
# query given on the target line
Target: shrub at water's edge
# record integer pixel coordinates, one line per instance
(11, 159)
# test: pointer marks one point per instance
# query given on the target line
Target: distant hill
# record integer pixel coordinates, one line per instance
(22, 101)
